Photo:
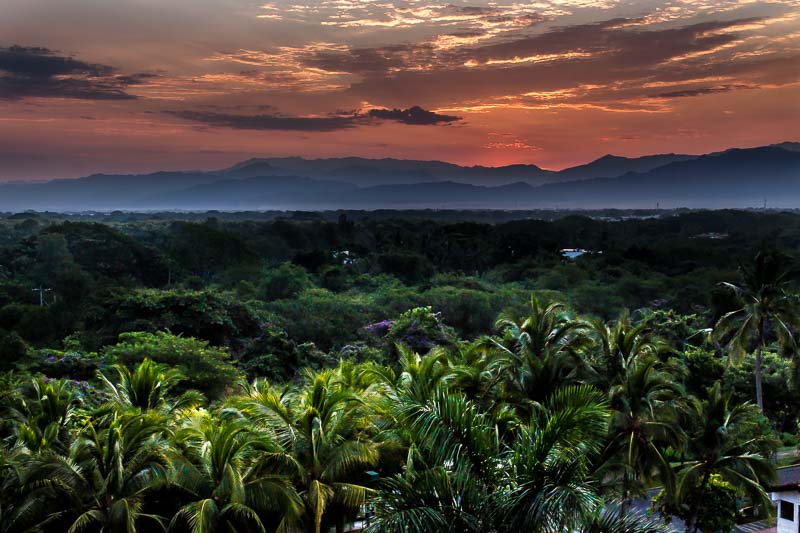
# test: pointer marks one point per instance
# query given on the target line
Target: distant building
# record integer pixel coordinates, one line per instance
(786, 497)
(345, 257)
(573, 253)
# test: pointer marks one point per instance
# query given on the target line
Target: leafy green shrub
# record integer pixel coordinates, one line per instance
(34, 323)
(470, 311)
(407, 266)
(205, 314)
(420, 329)
(206, 368)
(71, 364)
(460, 281)
(104, 252)
(328, 320)
(597, 299)
(703, 368)
(277, 357)
(334, 278)
(285, 281)
(13, 348)
(207, 250)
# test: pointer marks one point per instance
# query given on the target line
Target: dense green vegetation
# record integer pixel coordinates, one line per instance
(238, 374)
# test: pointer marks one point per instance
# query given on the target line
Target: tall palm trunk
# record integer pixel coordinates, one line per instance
(759, 349)
(759, 393)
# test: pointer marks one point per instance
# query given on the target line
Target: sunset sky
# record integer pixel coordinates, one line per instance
(142, 85)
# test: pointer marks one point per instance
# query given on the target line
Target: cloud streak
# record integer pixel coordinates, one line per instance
(414, 116)
(39, 72)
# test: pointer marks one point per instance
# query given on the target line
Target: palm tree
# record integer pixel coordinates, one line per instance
(430, 499)
(449, 468)
(418, 376)
(542, 349)
(42, 421)
(613, 520)
(148, 387)
(642, 424)
(20, 509)
(617, 343)
(322, 431)
(766, 311)
(460, 476)
(220, 471)
(476, 368)
(720, 442)
(106, 475)
(11, 398)
(549, 474)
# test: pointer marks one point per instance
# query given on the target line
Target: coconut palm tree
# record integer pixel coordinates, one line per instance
(42, 421)
(11, 397)
(618, 342)
(477, 368)
(148, 387)
(451, 447)
(219, 470)
(460, 476)
(102, 482)
(450, 469)
(430, 499)
(549, 474)
(542, 350)
(767, 311)
(418, 375)
(613, 520)
(322, 431)
(723, 440)
(21, 510)
(643, 404)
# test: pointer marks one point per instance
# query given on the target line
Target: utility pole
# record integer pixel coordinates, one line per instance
(41, 291)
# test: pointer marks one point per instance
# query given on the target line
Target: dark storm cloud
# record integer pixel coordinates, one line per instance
(38, 62)
(37, 71)
(415, 116)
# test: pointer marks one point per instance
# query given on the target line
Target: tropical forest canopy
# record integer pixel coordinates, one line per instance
(415, 371)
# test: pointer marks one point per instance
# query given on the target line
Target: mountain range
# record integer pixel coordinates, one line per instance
(731, 178)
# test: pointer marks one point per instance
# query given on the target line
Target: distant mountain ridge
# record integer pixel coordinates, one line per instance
(610, 166)
(731, 178)
(369, 172)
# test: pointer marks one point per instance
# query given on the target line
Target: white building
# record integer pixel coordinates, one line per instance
(786, 497)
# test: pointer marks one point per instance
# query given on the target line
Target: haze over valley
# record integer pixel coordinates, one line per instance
(732, 178)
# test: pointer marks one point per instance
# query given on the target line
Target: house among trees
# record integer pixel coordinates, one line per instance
(786, 497)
